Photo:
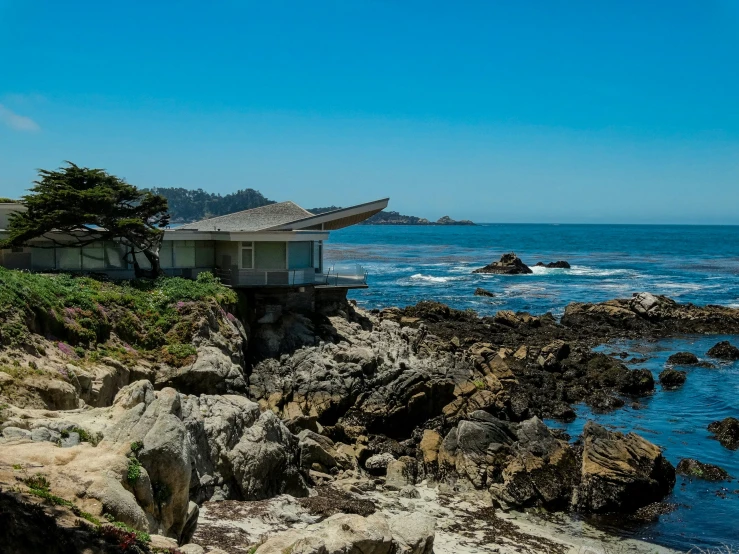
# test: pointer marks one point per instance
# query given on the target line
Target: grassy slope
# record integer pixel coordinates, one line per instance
(84, 313)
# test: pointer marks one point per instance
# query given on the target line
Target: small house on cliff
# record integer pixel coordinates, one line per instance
(274, 246)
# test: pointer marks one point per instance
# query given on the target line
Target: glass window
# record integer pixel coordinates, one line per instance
(142, 260)
(247, 255)
(69, 258)
(299, 255)
(316, 254)
(42, 258)
(93, 256)
(165, 254)
(184, 253)
(116, 255)
(270, 255)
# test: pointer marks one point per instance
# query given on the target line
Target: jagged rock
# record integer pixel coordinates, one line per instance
(58, 395)
(16, 433)
(561, 264)
(644, 303)
(482, 292)
(265, 461)
(683, 358)
(727, 432)
(672, 378)
(602, 402)
(351, 533)
(216, 425)
(621, 473)
(377, 464)
(219, 366)
(315, 451)
(400, 473)
(165, 455)
(709, 472)
(509, 264)
(724, 350)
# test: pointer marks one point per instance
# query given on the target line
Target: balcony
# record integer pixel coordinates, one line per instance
(348, 277)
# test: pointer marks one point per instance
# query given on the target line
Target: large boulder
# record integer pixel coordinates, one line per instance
(165, 454)
(216, 424)
(621, 473)
(672, 378)
(724, 350)
(509, 264)
(520, 464)
(683, 358)
(354, 534)
(698, 470)
(726, 432)
(265, 461)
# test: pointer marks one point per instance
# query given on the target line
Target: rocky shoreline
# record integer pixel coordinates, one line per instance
(344, 420)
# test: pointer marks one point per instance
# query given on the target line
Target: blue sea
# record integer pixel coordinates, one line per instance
(698, 264)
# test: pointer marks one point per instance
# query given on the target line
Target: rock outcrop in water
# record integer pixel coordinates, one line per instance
(509, 264)
(726, 432)
(672, 378)
(698, 470)
(683, 358)
(561, 264)
(724, 350)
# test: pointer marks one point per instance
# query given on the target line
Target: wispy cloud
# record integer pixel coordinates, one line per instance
(16, 121)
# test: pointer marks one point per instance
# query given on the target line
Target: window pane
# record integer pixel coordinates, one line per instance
(93, 257)
(246, 258)
(69, 258)
(299, 254)
(142, 260)
(165, 255)
(115, 255)
(184, 253)
(269, 255)
(42, 258)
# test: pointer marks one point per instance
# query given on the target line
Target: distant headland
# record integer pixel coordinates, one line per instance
(187, 205)
(386, 217)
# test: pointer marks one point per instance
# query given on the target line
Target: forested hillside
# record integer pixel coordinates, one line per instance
(187, 205)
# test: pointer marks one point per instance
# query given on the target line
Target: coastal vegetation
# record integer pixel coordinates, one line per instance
(154, 316)
(76, 206)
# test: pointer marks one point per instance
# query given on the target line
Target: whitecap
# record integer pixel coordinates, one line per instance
(596, 272)
(432, 278)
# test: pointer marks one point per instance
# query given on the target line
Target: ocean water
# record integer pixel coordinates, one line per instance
(406, 264)
(698, 264)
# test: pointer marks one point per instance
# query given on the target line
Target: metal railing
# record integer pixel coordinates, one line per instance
(346, 277)
(336, 277)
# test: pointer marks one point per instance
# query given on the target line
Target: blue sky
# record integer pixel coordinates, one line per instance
(495, 111)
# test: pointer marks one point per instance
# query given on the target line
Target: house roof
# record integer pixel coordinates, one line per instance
(287, 216)
(256, 219)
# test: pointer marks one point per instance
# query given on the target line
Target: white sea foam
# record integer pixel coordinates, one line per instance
(598, 272)
(432, 278)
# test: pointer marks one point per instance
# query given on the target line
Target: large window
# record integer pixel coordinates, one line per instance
(165, 255)
(247, 255)
(93, 256)
(184, 253)
(270, 255)
(299, 255)
(116, 254)
(69, 258)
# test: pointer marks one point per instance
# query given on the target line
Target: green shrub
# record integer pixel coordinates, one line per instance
(134, 471)
(83, 311)
(38, 482)
(136, 447)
